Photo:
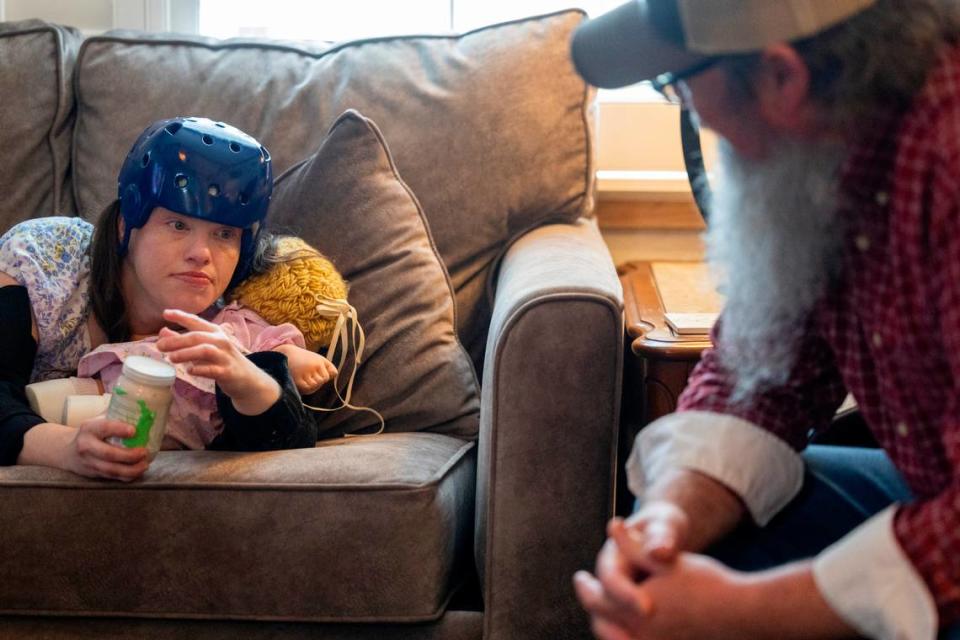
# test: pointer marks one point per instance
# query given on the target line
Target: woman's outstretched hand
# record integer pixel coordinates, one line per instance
(209, 352)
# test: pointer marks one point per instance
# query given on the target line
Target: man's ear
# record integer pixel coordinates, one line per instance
(783, 89)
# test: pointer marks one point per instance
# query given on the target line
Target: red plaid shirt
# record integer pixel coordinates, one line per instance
(890, 333)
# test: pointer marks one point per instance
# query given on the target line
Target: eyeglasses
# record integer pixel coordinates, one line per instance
(666, 83)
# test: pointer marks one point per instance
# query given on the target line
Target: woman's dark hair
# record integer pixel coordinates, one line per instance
(106, 293)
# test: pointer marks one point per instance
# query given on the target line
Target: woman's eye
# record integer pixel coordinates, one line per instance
(227, 234)
(178, 225)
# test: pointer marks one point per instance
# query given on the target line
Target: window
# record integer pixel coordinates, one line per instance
(324, 21)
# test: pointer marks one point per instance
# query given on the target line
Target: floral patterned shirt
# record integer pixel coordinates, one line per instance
(50, 258)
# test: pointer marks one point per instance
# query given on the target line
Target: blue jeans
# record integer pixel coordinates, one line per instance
(843, 487)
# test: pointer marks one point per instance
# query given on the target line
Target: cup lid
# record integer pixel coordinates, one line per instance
(149, 371)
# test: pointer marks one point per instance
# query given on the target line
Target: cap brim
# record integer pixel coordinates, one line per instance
(623, 46)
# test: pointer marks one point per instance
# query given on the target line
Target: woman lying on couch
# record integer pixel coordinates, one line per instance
(193, 195)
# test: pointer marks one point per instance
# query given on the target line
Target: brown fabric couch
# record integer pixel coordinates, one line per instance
(403, 535)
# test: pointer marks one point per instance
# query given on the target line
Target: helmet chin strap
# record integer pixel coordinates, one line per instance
(348, 332)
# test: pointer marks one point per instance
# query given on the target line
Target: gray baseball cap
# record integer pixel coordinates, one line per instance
(643, 39)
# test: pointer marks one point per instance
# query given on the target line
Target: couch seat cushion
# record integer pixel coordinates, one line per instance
(358, 529)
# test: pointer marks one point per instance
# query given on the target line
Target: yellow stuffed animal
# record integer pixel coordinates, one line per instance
(297, 279)
(302, 287)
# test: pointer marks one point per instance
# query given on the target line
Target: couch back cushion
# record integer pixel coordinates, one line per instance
(490, 129)
(36, 119)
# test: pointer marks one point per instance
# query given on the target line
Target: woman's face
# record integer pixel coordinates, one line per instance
(176, 262)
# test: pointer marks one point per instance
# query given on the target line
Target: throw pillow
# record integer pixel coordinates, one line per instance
(348, 201)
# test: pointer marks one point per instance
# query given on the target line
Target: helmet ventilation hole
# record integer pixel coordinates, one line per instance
(213, 190)
(207, 139)
(173, 127)
(235, 147)
(221, 125)
(244, 199)
(145, 160)
(180, 181)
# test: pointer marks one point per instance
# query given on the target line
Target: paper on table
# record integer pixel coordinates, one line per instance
(685, 324)
(690, 301)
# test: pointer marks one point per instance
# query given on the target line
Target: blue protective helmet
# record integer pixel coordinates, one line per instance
(202, 169)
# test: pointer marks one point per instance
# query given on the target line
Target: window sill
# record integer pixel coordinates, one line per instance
(644, 185)
(646, 216)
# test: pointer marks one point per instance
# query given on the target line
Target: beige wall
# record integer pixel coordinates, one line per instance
(638, 146)
(657, 149)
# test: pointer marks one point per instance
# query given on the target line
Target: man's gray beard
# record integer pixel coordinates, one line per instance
(775, 242)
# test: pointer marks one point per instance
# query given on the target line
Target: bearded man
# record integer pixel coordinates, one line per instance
(836, 233)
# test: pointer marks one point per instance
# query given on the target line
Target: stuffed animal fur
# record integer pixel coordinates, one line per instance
(290, 289)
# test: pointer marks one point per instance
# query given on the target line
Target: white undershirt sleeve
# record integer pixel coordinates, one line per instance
(763, 470)
(871, 583)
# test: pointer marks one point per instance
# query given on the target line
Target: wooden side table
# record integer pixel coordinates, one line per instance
(657, 362)
(663, 360)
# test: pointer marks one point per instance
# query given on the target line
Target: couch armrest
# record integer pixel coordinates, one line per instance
(549, 412)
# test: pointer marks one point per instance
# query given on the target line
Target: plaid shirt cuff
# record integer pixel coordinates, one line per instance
(869, 581)
(753, 463)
